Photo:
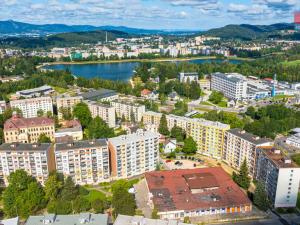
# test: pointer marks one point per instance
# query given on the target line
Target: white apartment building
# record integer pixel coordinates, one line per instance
(36, 159)
(279, 175)
(133, 154)
(87, 162)
(31, 106)
(66, 102)
(2, 107)
(239, 146)
(188, 77)
(127, 108)
(232, 85)
(106, 112)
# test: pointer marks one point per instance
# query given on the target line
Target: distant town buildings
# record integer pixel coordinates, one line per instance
(87, 162)
(279, 175)
(36, 159)
(233, 86)
(31, 106)
(195, 192)
(240, 145)
(27, 130)
(133, 154)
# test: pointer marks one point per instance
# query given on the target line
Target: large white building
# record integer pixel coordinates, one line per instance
(127, 109)
(279, 175)
(133, 154)
(188, 77)
(87, 162)
(106, 112)
(35, 159)
(31, 106)
(239, 146)
(232, 85)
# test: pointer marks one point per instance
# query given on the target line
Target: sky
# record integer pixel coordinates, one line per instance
(150, 14)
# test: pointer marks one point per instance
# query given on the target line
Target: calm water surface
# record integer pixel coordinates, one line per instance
(114, 71)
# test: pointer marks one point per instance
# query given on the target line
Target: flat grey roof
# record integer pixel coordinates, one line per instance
(83, 218)
(11, 221)
(33, 90)
(80, 144)
(249, 137)
(25, 146)
(98, 94)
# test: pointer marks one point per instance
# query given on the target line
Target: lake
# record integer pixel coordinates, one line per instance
(114, 71)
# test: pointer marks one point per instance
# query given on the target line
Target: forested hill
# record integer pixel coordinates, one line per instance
(249, 32)
(62, 40)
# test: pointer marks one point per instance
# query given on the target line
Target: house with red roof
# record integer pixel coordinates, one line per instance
(195, 192)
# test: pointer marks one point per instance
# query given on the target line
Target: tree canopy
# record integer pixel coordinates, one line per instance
(190, 146)
(163, 125)
(82, 113)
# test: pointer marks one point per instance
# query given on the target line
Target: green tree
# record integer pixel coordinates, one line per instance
(190, 146)
(40, 113)
(99, 129)
(216, 97)
(23, 196)
(154, 214)
(251, 112)
(66, 113)
(82, 113)
(178, 133)
(123, 202)
(242, 178)
(163, 126)
(69, 191)
(53, 185)
(43, 138)
(81, 204)
(260, 197)
(98, 206)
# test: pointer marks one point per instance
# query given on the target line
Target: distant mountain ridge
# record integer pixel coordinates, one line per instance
(249, 32)
(10, 27)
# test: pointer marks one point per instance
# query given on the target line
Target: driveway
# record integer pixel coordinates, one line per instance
(141, 197)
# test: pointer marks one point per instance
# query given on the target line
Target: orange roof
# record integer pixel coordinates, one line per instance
(146, 92)
(194, 189)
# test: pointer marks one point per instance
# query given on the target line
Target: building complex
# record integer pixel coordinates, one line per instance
(128, 110)
(87, 162)
(31, 106)
(133, 154)
(66, 102)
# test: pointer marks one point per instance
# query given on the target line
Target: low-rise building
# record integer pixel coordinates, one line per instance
(36, 159)
(27, 130)
(72, 130)
(195, 192)
(3, 106)
(100, 95)
(104, 111)
(31, 106)
(140, 220)
(280, 176)
(133, 154)
(82, 218)
(188, 77)
(87, 162)
(240, 145)
(66, 102)
(35, 92)
(128, 110)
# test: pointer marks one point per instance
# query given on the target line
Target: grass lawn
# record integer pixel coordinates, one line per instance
(222, 104)
(59, 90)
(296, 159)
(94, 194)
(206, 103)
(291, 63)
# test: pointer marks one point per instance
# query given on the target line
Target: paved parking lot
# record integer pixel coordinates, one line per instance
(141, 197)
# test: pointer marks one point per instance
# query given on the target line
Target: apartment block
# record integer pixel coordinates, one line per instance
(150, 117)
(279, 175)
(31, 106)
(27, 130)
(36, 159)
(87, 162)
(179, 121)
(188, 77)
(126, 109)
(3, 106)
(106, 112)
(66, 102)
(133, 154)
(209, 136)
(240, 145)
(232, 85)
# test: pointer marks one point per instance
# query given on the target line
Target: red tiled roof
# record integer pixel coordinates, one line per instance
(20, 122)
(171, 191)
(145, 92)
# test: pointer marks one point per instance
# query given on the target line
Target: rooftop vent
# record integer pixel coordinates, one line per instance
(84, 218)
(243, 132)
(276, 151)
(70, 144)
(287, 161)
(48, 219)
